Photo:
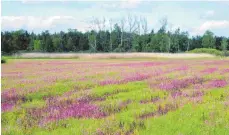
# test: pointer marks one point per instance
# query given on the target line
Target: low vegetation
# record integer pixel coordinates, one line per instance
(3, 59)
(174, 96)
(208, 51)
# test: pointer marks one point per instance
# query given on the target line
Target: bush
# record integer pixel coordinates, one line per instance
(226, 53)
(3, 60)
(119, 50)
(207, 50)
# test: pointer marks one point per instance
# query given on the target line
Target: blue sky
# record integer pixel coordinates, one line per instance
(194, 17)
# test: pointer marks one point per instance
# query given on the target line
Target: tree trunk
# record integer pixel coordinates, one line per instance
(110, 43)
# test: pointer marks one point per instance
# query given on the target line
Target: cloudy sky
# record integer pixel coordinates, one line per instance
(194, 17)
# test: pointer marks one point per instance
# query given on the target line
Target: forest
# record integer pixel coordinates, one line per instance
(130, 34)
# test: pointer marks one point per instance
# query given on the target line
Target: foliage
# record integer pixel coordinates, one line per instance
(3, 60)
(207, 50)
(208, 40)
(37, 45)
(108, 41)
(224, 45)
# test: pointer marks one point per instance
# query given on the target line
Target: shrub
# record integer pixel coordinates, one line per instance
(226, 53)
(3, 60)
(207, 50)
(119, 50)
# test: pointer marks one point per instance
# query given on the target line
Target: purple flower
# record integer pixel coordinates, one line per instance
(225, 71)
(108, 82)
(209, 70)
(176, 94)
(130, 78)
(197, 94)
(10, 95)
(218, 83)
(6, 106)
(182, 68)
(179, 84)
(59, 111)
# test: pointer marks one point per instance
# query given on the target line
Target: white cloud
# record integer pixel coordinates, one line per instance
(14, 22)
(130, 3)
(39, 1)
(108, 5)
(208, 14)
(211, 25)
(32, 22)
(123, 4)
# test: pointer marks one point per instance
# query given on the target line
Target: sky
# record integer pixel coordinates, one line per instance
(193, 16)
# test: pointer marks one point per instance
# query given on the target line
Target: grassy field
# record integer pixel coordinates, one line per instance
(115, 96)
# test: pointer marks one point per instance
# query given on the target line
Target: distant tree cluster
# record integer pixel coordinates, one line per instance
(130, 34)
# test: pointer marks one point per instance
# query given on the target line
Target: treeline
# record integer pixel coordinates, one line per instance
(130, 35)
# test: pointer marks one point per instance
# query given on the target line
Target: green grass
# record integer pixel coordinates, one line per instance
(34, 104)
(56, 89)
(124, 106)
(190, 120)
(209, 117)
(198, 119)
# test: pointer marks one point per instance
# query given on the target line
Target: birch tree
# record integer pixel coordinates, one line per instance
(111, 29)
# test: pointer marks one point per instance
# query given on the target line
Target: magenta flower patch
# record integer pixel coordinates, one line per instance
(10, 95)
(182, 68)
(130, 78)
(108, 82)
(209, 70)
(179, 84)
(176, 94)
(225, 71)
(74, 110)
(197, 94)
(218, 83)
(139, 64)
(6, 106)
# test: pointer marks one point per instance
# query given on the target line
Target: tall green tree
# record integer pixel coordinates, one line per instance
(144, 42)
(208, 40)
(196, 42)
(31, 43)
(175, 41)
(92, 41)
(218, 41)
(7, 45)
(83, 42)
(160, 42)
(37, 45)
(57, 43)
(136, 42)
(123, 37)
(116, 36)
(224, 45)
(47, 43)
(70, 44)
(184, 43)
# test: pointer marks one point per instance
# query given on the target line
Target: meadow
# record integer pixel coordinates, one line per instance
(142, 96)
